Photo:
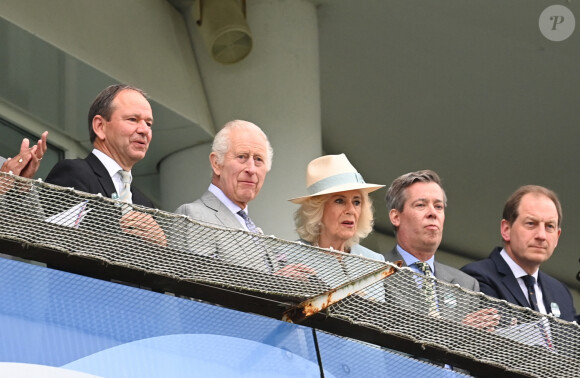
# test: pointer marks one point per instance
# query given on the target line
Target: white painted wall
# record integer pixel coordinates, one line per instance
(276, 87)
(154, 53)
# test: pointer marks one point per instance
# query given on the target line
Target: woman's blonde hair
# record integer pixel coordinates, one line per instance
(308, 218)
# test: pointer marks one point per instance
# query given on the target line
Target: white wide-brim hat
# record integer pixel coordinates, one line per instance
(332, 174)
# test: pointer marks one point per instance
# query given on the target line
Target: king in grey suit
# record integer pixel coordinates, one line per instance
(210, 209)
(240, 159)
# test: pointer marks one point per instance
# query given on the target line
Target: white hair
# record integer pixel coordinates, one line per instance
(221, 141)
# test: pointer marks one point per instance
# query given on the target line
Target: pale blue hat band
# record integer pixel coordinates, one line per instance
(336, 180)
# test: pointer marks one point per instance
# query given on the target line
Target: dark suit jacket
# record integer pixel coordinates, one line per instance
(89, 175)
(497, 280)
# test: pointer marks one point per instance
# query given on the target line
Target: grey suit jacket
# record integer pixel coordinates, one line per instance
(451, 303)
(442, 272)
(232, 245)
(210, 209)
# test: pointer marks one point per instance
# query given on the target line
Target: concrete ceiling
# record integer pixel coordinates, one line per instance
(472, 90)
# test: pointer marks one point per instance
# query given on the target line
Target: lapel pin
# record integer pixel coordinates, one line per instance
(555, 309)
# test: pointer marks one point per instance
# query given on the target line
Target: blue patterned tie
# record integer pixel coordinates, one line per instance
(125, 195)
(259, 243)
(249, 224)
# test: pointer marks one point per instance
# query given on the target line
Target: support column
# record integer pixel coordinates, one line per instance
(275, 87)
(184, 176)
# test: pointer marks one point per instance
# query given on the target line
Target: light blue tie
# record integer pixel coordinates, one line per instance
(125, 195)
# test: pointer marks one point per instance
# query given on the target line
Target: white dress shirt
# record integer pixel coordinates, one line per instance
(113, 169)
(229, 204)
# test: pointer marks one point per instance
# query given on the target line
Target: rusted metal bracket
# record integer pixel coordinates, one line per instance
(320, 302)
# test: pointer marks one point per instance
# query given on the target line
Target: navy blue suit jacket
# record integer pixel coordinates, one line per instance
(497, 280)
(89, 175)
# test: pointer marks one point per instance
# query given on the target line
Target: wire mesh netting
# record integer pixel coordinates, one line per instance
(445, 317)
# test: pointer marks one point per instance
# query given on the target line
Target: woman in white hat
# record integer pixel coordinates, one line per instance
(337, 213)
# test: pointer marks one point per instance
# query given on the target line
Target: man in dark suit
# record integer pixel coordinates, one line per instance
(416, 203)
(530, 230)
(120, 121)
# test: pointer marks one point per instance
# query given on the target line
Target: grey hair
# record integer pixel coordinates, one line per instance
(396, 195)
(308, 218)
(221, 141)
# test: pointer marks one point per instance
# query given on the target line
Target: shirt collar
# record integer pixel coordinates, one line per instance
(111, 165)
(515, 268)
(225, 200)
(410, 259)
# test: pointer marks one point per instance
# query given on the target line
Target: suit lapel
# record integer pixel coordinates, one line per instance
(442, 273)
(222, 213)
(102, 175)
(509, 280)
(394, 255)
(546, 295)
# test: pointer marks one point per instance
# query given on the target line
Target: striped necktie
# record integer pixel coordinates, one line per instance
(125, 195)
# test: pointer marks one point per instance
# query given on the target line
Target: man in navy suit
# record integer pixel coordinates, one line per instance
(120, 121)
(530, 229)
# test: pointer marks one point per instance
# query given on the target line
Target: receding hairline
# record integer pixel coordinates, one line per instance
(114, 105)
(513, 203)
(537, 195)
